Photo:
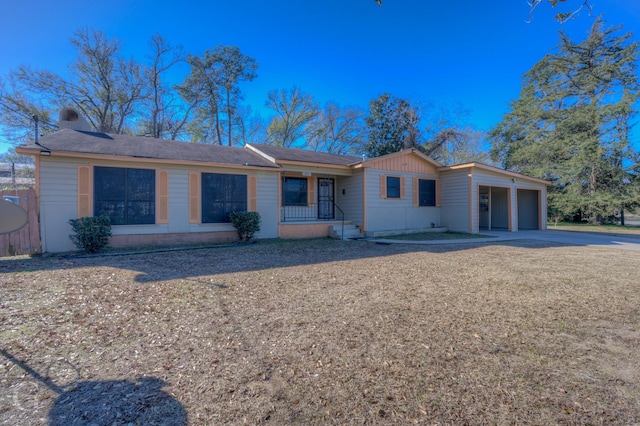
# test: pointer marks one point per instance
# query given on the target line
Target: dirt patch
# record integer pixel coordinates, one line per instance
(323, 332)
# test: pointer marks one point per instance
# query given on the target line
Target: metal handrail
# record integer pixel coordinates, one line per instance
(309, 212)
(342, 213)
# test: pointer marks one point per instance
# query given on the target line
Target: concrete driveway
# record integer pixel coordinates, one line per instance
(558, 237)
(573, 238)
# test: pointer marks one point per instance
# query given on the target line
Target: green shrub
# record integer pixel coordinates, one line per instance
(246, 224)
(91, 233)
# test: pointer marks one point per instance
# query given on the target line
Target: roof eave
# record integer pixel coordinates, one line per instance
(123, 158)
(493, 169)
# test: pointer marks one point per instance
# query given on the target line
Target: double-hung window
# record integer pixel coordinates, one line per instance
(126, 195)
(393, 187)
(294, 191)
(427, 192)
(222, 194)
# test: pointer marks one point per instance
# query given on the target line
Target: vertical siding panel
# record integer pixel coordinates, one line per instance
(252, 193)
(163, 196)
(84, 191)
(194, 199)
(438, 192)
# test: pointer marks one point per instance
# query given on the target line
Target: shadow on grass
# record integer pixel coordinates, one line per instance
(199, 263)
(109, 402)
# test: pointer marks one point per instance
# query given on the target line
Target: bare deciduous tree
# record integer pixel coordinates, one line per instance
(336, 130)
(166, 114)
(106, 88)
(562, 17)
(294, 110)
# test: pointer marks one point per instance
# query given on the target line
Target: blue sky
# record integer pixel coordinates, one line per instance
(442, 53)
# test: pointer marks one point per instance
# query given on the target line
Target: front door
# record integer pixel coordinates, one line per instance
(325, 198)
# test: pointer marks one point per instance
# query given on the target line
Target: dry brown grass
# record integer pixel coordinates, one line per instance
(628, 230)
(324, 332)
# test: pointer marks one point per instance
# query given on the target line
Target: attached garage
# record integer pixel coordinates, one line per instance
(497, 199)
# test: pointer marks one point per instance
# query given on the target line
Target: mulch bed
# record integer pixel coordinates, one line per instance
(323, 332)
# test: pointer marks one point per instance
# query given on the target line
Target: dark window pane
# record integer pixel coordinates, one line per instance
(393, 187)
(427, 192)
(127, 196)
(222, 194)
(294, 191)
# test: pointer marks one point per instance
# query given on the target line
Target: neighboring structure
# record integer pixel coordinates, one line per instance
(167, 192)
(16, 175)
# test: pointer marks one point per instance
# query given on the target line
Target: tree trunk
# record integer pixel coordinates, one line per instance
(228, 117)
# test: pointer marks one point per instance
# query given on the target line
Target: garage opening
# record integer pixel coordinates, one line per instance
(494, 208)
(528, 209)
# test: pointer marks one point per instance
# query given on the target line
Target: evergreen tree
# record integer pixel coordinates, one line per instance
(571, 125)
(392, 122)
(213, 87)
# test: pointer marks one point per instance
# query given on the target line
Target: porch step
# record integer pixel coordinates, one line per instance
(350, 232)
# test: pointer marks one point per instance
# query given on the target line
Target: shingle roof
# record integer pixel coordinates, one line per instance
(293, 154)
(74, 141)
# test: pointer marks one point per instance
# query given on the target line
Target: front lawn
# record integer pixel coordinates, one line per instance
(432, 236)
(323, 332)
(628, 230)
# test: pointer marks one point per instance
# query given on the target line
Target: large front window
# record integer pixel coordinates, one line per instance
(294, 191)
(127, 196)
(222, 194)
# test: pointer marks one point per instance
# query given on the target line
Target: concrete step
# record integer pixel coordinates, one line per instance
(349, 231)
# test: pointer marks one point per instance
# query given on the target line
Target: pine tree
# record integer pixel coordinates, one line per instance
(571, 125)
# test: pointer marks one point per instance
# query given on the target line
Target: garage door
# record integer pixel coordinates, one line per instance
(528, 209)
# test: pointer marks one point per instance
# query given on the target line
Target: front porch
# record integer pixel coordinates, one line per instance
(309, 229)
(325, 210)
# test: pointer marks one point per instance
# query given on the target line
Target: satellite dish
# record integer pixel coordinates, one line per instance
(12, 217)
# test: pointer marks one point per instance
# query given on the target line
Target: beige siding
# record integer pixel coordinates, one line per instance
(59, 202)
(396, 214)
(267, 202)
(178, 201)
(454, 199)
(351, 202)
(487, 178)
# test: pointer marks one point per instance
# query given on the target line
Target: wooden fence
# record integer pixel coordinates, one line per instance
(27, 239)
